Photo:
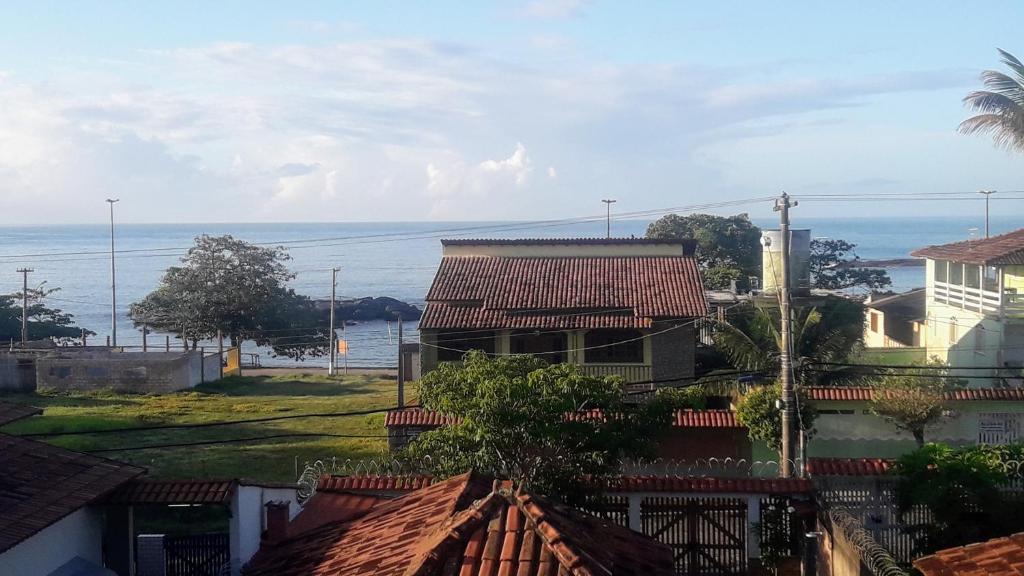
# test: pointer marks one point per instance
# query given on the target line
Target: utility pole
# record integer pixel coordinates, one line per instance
(789, 415)
(113, 277)
(401, 364)
(334, 287)
(987, 193)
(608, 217)
(145, 338)
(24, 304)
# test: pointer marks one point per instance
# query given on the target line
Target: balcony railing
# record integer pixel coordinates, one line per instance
(631, 373)
(976, 299)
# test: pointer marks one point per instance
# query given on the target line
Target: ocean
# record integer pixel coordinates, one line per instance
(376, 259)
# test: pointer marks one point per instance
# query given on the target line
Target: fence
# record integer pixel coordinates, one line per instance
(196, 555)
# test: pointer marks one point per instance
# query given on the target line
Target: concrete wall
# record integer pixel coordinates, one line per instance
(837, 556)
(17, 372)
(79, 534)
(248, 518)
(141, 372)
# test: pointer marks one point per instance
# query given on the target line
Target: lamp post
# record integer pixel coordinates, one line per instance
(608, 217)
(113, 278)
(987, 193)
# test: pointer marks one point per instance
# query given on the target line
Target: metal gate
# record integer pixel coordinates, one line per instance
(708, 536)
(196, 555)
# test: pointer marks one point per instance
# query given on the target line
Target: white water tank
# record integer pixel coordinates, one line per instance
(799, 261)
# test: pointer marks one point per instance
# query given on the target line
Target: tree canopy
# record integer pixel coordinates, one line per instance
(240, 289)
(758, 410)
(43, 321)
(728, 248)
(830, 270)
(514, 423)
(1000, 107)
(913, 398)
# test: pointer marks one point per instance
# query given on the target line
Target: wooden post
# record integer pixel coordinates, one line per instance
(167, 343)
(108, 340)
(145, 339)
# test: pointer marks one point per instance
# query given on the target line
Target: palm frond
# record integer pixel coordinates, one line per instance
(743, 351)
(1012, 63)
(1000, 83)
(992, 102)
(1007, 133)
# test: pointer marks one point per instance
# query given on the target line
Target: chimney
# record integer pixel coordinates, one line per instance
(277, 522)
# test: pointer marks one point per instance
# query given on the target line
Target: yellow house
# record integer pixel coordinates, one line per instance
(975, 305)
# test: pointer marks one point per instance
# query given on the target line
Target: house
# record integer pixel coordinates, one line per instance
(52, 516)
(896, 320)
(613, 306)
(846, 427)
(975, 303)
(996, 557)
(465, 525)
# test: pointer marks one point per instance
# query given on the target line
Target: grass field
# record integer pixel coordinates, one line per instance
(894, 356)
(230, 399)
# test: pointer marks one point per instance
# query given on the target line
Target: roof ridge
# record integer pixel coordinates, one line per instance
(459, 527)
(571, 557)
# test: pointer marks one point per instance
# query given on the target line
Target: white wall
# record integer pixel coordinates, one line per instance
(248, 515)
(79, 534)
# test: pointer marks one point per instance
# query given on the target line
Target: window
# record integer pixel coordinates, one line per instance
(551, 346)
(956, 273)
(614, 347)
(990, 280)
(874, 321)
(453, 345)
(940, 270)
(952, 330)
(972, 276)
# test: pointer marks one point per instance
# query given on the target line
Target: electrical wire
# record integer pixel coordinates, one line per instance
(233, 441)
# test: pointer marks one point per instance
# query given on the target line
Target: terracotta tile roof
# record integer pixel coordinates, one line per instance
(466, 525)
(1005, 249)
(687, 244)
(148, 491)
(11, 411)
(331, 507)
(373, 483)
(682, 419)
(998, 557)
(41, 484)
(710, 484)
(965, 394)
(848, 466)
(569, 292)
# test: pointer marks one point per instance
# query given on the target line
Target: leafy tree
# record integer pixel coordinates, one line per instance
(514, 423)
(728, 248)
(828, 262)
(752, 338)
(758, 410)
(913, 398)
(1000, 106)
(240, 289)
(961, 488)
(43, 322)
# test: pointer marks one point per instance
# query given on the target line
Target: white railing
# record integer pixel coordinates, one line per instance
(967, 298)
(1013, 304)
(629, 372)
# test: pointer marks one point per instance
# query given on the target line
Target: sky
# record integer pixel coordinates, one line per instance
(507, 110)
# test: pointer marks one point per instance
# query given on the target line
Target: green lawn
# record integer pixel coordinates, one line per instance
(234, 398)
(887, 356)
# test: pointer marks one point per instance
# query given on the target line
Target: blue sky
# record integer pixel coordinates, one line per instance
(329, 111)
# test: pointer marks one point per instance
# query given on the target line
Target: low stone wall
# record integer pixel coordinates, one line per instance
(139, 372)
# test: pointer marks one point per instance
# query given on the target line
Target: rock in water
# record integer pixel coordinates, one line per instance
(380, 308)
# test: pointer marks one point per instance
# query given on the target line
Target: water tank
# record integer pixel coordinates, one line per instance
(799, 261)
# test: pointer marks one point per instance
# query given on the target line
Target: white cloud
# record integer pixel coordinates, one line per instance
(554, 9)
(552, 173)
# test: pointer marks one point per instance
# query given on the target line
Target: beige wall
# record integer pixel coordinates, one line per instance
(564, 250)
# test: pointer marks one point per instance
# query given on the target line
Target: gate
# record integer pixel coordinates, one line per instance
(196, 555)
(708, 536)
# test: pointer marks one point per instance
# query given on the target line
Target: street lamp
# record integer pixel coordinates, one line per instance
(987, 193)
(113, 278)
(608, 218)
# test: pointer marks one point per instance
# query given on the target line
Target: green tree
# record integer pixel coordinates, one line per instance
(830, 267)
(728, 248)
(914, 398)
(830, 332)
(240, 289)
(43, 321)
(514, 422)
(1000, 107)
(962, 490)
(758, 410)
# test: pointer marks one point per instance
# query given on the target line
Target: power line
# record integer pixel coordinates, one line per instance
(235, 441)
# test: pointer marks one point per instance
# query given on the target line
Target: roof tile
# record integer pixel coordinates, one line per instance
(1004, 249)
(997, 557)
(962, 395)
(148, 491)
(848, 466)
(683, 418)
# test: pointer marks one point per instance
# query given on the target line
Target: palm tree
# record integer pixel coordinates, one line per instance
(1000, 106)
(752, 340)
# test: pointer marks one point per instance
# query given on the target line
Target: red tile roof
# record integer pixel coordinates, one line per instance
(710, 484)
(11, 411)
(848, 466)
(331, 507)
(373, 483)
(148, 491)
(962, 395)
(998, 557)
(562, 293)
(1005, 249)
(682, 419)
(41, 484)
(466, 524)
(688, 245)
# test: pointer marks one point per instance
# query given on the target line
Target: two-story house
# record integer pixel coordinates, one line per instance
(613, 306)
(975, 303)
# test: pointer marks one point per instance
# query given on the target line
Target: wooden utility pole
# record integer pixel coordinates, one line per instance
(334, 288)
(145, 338)
(401, 364)
(113, 276)
(24, 304)
(789, 415)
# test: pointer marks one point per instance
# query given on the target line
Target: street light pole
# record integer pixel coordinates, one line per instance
(334, 287)
(113, 278)
(987, 193)
(24, 304)
(608, 217)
